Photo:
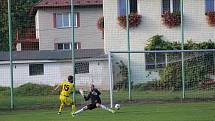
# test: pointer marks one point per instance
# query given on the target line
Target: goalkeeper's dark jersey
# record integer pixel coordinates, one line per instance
(94, 96)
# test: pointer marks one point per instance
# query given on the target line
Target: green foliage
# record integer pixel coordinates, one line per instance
(4, 88)
(20, 19)
(197, 65)
(157, 42)
(30, 89)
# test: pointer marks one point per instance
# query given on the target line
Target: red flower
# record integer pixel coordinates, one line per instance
(211, 18)
(134, 20)
(171, 19)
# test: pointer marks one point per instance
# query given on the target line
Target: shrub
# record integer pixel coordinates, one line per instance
(197, 65)
(158, 43)
(196, 70)
(134, 20)
(30, 89)
(211, 18)
(4, 88)
(171, 19)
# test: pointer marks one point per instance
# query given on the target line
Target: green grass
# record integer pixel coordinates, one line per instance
(147, 112)
(27, 102)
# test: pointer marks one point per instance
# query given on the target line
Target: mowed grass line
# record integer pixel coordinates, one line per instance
(147, 112)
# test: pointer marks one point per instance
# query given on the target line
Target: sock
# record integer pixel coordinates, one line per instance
(73, 108)
(106, 108)
(61, 107)
(79, 111)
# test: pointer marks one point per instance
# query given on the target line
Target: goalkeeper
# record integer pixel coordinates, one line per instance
(94, 95)
(67, 88)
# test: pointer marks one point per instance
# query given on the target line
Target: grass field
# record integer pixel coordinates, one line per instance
(28, 102)
(134, 112)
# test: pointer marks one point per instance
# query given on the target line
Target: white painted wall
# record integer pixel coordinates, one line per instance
(55, 73)
(195, 23)
(87, 34)
(37, 24)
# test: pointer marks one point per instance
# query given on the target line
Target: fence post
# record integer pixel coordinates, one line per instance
(129, 49)
(10, 49)
(73, 45)
(182, 48)
(110, 78)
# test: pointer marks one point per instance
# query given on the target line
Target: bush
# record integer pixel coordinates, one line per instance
(4, 88)
(158, 43)
(197, 65)
(30, 89)
(144, 86)
(196, 71)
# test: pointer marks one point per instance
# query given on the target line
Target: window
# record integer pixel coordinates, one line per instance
(36, 69)
(67, 46)
(122, 7)
(64, 20)
(171, 5)
(209, 5)
(155, 61)
(82, 67)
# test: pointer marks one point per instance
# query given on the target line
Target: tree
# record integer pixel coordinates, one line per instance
(20, 19)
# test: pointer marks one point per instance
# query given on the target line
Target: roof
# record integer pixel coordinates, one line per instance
(60, 3)
(64, 3)
(54, 55)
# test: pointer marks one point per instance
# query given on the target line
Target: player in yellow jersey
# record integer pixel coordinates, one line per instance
(67, 88)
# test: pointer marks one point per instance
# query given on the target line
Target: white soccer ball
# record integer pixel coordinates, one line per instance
(117, 106)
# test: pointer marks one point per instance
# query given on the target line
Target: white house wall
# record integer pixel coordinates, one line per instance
(37, 25)
(195, 23)
(55, 73)
(21, 75)
(87, 34)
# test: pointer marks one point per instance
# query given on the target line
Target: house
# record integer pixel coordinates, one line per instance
(50, 67)
(26, 40)
(196, 27)
(53, 24)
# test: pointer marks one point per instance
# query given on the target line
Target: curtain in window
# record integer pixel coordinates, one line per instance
(176, 5)
(209, 5)
(133, 6)
(122, 7)
(166, 5)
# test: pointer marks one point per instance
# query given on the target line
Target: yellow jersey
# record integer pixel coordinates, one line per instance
(67, 88)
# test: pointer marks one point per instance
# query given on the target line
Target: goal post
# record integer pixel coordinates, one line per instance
(157, 75)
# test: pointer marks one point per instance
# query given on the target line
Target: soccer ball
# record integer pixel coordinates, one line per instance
(117, 106)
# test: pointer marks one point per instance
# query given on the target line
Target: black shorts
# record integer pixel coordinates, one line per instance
(93, 105)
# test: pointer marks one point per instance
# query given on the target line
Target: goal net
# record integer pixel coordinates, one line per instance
(173, 75)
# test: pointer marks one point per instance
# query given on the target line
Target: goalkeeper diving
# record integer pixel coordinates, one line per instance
(94, 95)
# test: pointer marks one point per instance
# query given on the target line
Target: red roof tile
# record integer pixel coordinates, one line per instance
(61, 3)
